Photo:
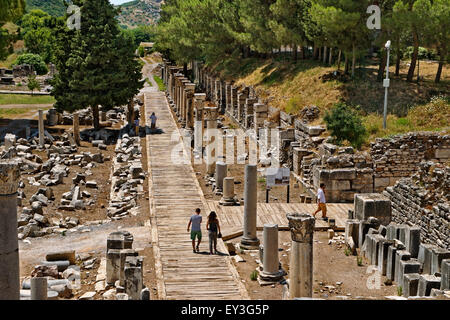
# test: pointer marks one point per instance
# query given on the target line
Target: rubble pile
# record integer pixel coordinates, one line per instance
(127, 177)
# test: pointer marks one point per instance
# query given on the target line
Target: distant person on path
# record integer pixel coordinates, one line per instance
(136, 126)
(212, 226)
(196, 220)
(321, 202)
(153, 119)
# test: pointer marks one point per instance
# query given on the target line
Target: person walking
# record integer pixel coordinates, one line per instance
(195, 221)
(213, 226)
(322, 204)
(153, 121)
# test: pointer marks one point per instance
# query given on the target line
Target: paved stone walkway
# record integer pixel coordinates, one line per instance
(174, 194)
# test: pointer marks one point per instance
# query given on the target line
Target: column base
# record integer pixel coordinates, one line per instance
(228, 202)
(250, 244)
(270, 278)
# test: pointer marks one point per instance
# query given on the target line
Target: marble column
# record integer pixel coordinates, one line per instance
(228, 198)
(9, 247)
(221, 173)
(211, 139)
(41, 128)
(189, 115)
(249, 239)
(271, 264)
(301, 263)
(76, 128)
(199, 99)
(38, 286)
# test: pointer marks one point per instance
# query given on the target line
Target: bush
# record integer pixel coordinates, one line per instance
(33, 59)
(424, 53)
(345, 124)
(141, 52)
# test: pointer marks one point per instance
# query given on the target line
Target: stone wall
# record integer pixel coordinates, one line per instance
(400, 156)
(424, 200)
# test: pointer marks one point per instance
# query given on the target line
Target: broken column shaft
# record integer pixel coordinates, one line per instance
(249, 239)
(38, 286)
(41, 128)
(9, 247)
(301, 264)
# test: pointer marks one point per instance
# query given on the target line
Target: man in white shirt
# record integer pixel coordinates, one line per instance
(321, 202)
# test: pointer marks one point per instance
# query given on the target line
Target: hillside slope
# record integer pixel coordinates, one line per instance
(139, 12)
(55, 8)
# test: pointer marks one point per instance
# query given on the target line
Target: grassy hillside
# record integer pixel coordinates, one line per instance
(139, 12)
(290, 87)
(55, 8)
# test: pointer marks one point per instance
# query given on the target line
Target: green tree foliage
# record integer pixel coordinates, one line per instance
(345, 125)
(10, 11)
(97, 65)
(55, 8)
(210, 30)
(141, 34)
(33, 84)
(34, 60)
(37, 32)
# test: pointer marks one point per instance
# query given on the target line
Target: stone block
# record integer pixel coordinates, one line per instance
(390, 265)
(342, 174)
(410, 284)
(124, 253)
(339, 185)
(409, 266)
(382, 230)
(377, 240)
(402, 230)
(392, 231)
(438, 254)
(112, 266)
(442, 153)
(381, 182)
(425, 256)
(133, 277)
(426, 283)
(383, 250)
(352, 230)
(401, 255)
(412, 241)
(445, 274)
(373, 205)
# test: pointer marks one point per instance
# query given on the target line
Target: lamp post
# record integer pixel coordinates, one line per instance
(386, 83)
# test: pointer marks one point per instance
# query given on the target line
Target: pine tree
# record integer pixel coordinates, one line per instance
(100, 69)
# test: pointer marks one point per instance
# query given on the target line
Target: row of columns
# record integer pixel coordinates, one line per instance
(249, 112)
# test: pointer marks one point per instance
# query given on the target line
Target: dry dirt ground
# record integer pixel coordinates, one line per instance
(91, 243)
(336, 275)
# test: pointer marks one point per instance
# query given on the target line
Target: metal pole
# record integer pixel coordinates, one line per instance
(386, 86)
(267, 195)
(287, 193)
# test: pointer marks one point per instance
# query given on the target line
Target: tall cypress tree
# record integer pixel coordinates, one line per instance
(100, 69)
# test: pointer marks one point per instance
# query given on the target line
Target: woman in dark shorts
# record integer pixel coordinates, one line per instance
(212, 226)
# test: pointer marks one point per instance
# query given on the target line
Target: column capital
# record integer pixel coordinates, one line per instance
(9, 176)
(200, 96)
(211, 113)
(301, 226)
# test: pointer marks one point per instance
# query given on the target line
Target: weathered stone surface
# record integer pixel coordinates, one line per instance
(426, 283)
(68, 255)
(373, 205)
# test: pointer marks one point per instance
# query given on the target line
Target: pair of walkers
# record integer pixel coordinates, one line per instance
(213, 227)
